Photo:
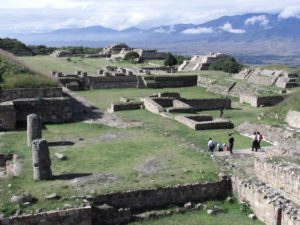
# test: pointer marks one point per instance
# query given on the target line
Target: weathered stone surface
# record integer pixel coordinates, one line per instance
(41, 160)
(293, 119)
(252, 216)
(53, 196)
(34, 128)
(60, 156)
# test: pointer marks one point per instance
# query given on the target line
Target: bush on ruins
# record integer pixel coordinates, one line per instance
(170, 60)
(228, 65)
(131, 56)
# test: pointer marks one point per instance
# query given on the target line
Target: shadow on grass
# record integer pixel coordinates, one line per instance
(70, 176)
(60, 143)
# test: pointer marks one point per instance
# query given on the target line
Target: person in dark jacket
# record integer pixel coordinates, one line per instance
(230, 143)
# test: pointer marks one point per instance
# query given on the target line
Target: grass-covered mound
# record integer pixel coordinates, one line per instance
(14, 74)
(292, 102)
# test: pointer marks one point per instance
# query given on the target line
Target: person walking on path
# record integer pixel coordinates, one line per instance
(231, 143)
(221, 112)
(259, 138)
(211, 147)
(254, 142)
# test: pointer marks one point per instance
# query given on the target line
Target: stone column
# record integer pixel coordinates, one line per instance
(41, 160)
(34, 128)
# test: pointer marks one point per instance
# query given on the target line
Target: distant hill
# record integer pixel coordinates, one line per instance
(16, 47)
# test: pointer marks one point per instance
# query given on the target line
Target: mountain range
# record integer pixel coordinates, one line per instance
(257, 34)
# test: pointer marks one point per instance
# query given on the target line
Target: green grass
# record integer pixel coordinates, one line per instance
(231, 216)
(46, 64)
(291, 102)
(121, 157)
(14, 74)
(104, 97)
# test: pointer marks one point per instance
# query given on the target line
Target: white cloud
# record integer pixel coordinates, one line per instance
(262, 20)
(228, 28)
(199, 30)
(290, 12)
(166, 30)
(27, 16)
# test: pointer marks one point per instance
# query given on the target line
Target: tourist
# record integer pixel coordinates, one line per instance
(211, 147)
(259, 138)
(219, 147)
(225, 147)
(221, 112)
(230, 143)
(254, 142)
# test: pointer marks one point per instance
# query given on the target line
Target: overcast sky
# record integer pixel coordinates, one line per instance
(19, 16)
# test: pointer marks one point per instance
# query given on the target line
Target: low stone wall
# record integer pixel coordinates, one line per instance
(170, 81)
(153, 106)
(112, 82)
(293, 119)
(176, 195)
(283, 176)
(107, 215)
(261, 101)
(267, 204)
(208, 104)
(7, 116)
(12, 94)
(51, 110)
(126, 106)
(79, 216)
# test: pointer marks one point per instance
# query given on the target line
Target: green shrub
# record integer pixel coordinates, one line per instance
(227, 65)
(131, 56)
(170, 60)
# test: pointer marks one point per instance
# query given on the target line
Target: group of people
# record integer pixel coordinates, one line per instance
(220, 147)
(256, 140)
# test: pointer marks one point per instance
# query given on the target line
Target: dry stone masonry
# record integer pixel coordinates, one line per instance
(41, 160)
(34, 128)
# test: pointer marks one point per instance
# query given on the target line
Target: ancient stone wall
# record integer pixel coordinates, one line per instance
(283, 176)
(112, 82)
(267, 204)
(12, 94)
(7, 116)
(126, 106)
(293, 119)
(153, 106)
(261, 101)
(176, 195)
(170, 81)
(208, 104)
(51, 110)
(78, 216)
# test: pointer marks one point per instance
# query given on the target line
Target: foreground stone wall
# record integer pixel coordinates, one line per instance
(208, 104)
(293, 119)
(51, 110)
(78, 216)
(285, 177)
(261, 101)
(7, 116)
(12, 94)
(177, 195)
(267, 204)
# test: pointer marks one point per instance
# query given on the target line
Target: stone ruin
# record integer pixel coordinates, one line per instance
(201, 62)
(279, 78)
(119, 50)
(41, 160)
(34, 128)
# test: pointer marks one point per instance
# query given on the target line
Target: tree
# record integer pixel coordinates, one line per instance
(228, 65)
(131, 56)
(170, 60)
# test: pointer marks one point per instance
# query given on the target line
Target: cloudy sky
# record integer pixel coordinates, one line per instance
(19, 16)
